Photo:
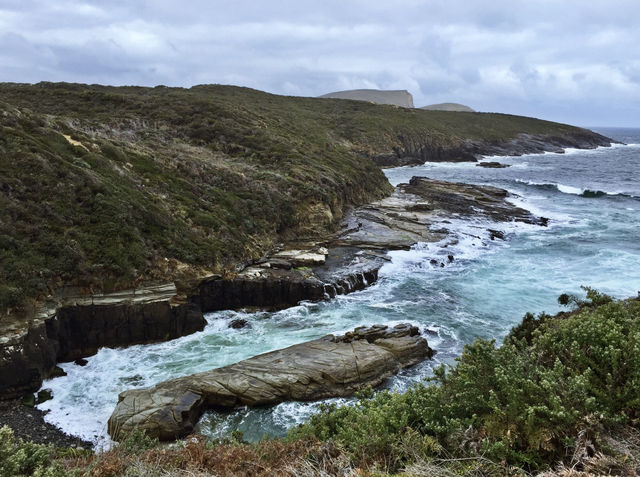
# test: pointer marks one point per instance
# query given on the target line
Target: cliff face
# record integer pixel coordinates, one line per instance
(400, 98)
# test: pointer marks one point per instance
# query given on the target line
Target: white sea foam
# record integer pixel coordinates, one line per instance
(566, 151)
(567, 189)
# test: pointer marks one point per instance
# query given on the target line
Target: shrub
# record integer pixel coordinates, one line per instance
(522, 404)
(18, 457)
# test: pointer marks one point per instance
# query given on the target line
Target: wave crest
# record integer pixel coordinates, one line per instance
(567, 189)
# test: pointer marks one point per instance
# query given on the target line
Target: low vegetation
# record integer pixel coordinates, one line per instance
(559, 397)
(105, 188)
(560, 390)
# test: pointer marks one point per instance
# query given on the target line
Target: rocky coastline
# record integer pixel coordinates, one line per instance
(415, 150)
(331, 366)
(343, 262)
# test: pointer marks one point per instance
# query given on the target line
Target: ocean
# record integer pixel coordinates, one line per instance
(592, 201)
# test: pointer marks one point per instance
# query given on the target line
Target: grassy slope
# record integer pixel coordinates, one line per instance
(169, 182)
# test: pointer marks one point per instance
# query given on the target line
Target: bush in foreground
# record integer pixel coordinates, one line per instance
(556, 391)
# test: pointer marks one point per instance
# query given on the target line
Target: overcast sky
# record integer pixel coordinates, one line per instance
(575, 61)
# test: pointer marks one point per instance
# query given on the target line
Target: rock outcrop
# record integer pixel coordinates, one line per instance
(449, 107)
(288, 277)
(407, 216)
(327, 367)
(30, 352)
(492, 165)
(400, 98)
(416, 149)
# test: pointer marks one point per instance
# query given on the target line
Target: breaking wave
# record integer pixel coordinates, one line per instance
(567, 189)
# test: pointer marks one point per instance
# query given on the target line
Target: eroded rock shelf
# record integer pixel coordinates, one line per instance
(327, 367)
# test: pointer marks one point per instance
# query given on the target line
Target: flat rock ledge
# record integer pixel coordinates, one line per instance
(327, 367)
(409, 215)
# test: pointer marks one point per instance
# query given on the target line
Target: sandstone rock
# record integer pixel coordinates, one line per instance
(406, 217)
(300, 258)
(326, 367)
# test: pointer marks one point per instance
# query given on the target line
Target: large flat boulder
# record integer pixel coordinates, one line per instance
(331, 366)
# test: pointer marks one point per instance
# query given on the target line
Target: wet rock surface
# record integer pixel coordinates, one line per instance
(492, 165)
(315, 273)
(29, 353)
(408, 216)
(327, 367)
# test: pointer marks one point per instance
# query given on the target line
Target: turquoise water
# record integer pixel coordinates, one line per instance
(592, 199)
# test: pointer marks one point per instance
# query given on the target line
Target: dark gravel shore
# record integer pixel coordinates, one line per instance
(28, 423)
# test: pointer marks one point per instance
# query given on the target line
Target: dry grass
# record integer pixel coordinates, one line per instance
(198, 458)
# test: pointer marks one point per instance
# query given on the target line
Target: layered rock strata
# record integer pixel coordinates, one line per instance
(408, 216)
(327, 367)
(29, 354)
(415, 149)
(400, 98)
(30, 351)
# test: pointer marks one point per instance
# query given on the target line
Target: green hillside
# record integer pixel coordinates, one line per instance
(102, 187)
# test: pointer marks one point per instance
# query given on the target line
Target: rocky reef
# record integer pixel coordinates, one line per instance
(29, 351)
(417, 149)
(409, 214)
(327, 367)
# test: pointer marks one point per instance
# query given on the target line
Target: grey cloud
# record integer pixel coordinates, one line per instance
(548, 58)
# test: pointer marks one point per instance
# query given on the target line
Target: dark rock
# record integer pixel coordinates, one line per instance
(416, 149)
(132, 380)
(28, 400)
(28, 424)
(279, 289)
(469, 200)
(450, 257)
(238, 323)
(81, 362)
(492, 165)
(280, 263)
(57, 372)
(327, 367)
(44, 395)
(494, 234)
(80, 330)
